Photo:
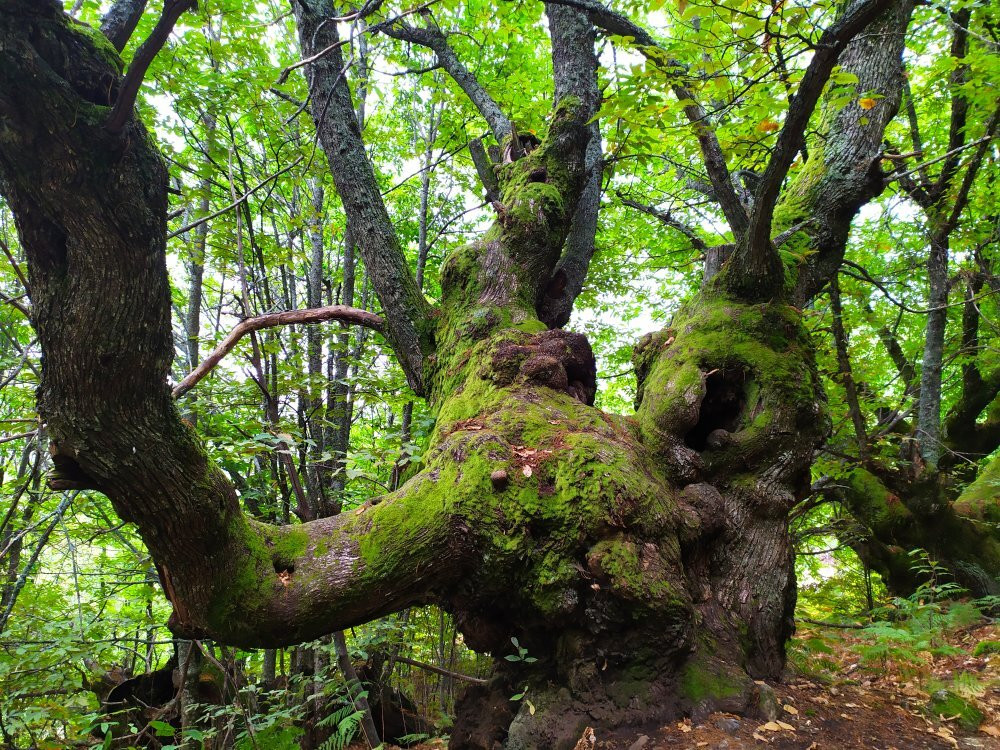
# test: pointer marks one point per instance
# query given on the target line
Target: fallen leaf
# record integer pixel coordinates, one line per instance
(771, 726)
(790, 710)
(783, 725)
(990, 730)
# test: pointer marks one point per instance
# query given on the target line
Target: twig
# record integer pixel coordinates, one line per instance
(17, 269)
(10, 438)
(667, 218)
(892, 177)
(441, 671)
(236, 203)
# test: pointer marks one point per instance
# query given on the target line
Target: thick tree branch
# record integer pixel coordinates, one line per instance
(575, 65)
(122, 111)
(842, 173)
(120, 21)
(755, 268)
(484, 168)
(959, 102)
(714, 158)
(962, 197)
(273, 320)
(846, 372)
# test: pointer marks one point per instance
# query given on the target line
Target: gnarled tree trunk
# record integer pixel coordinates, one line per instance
(644, 563)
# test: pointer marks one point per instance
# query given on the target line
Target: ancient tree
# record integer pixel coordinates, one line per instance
(645, 562)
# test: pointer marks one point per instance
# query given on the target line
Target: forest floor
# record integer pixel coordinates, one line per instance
(835, 699)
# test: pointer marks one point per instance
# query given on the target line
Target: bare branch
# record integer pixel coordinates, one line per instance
(970, 173)
(272, 320)
(434, 39)
(442, 672)
(894, 176)
(19, 436)
(667, 218)
(783, 237)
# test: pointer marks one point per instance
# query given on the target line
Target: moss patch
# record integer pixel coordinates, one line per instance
(945, 704)
(986, 648)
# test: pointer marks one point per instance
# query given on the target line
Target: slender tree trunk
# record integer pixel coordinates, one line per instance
(929, 408)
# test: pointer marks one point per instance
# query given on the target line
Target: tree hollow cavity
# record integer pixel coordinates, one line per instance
(721, 409)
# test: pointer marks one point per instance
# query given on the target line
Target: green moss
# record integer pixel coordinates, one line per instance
(986, 648)
(704, 679)
(104, 48)
(532, 326)
(288, 544)
(625, 693)
(981, 499)
(243, 591)
(946, 704)
(881, 510)
(764, 350)
(641, 579)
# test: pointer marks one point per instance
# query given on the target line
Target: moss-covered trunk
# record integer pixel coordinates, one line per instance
(901, 511)
(644, 562)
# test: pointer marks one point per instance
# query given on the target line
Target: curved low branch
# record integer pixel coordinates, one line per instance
(271, 320)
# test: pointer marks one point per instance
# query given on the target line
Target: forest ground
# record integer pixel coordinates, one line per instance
(839, 697)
